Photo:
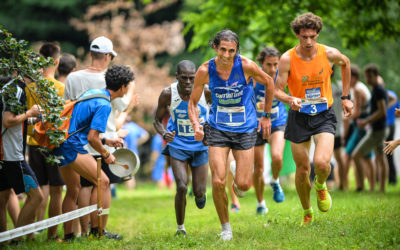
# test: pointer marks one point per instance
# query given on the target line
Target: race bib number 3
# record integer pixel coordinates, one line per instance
(185, 127)
(312, 108)
(231, 116)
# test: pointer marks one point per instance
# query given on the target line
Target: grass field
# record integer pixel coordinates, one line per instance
(145, 216)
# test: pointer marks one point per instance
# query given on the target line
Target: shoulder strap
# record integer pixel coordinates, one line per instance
(80, 99)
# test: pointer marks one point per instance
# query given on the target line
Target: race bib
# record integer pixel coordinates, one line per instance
(275, 113)
(314, 103)
(185, 127)
(313, 107)
(231, 116)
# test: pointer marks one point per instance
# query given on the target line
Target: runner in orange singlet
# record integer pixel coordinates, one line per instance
(306, 69)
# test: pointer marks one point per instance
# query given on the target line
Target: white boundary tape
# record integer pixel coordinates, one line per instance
(20, 231)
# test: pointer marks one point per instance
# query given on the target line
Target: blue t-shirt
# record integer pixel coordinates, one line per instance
(390, 114)
(233, 105)
(135, 132)
(93, 112)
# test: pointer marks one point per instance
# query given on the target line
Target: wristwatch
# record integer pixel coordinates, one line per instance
(267, 115)
(345, 97)
(103, 140)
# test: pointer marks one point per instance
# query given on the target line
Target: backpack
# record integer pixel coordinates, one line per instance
(39, 132)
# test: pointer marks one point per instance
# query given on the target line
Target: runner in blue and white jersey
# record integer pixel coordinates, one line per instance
(182, 148)
(269, 59)
(232, 123)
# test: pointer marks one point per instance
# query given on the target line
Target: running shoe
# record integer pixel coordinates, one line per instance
(111, 236)
(307, 218)
(262, 210)
(234, 208)
(226, 235)
(324, 200)
(180, 232)
(201, 202)
(236, 190)
(239, 193)
(279, 196)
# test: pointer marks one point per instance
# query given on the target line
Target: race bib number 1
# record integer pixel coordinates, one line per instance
(231, 116)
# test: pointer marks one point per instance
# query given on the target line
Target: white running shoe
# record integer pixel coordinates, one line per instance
(239, 193)
(226, 235)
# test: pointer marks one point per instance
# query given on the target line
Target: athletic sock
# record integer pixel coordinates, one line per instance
(261, 204)
(318, 185)
(275, 180)
(308, 211)
(69, 236)
(181, 227)
(94, 230)
(226, 227)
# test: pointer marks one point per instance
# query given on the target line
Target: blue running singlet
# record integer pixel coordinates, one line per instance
(233, 106)
(278, 110)
(180, 123)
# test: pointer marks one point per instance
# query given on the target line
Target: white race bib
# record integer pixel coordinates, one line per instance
(231, 116)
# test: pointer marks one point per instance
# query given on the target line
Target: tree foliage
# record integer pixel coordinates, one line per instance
(267, 22)
(23, 64)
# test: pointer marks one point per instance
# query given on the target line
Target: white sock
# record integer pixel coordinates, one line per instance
(181, 227)
(274, 180)
(226, 227)
(261, 204)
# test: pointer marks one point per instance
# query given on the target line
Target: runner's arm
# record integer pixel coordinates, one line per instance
(335, 57)
(378, 114)
(200, 80)
(281, 83)
(161, 111)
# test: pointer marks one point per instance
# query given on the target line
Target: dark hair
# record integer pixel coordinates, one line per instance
(97, 55)
(118, 75)
(50, 50)
(373, 68)
(307, 21)
(268, 52)
(67, 64)
(355, 71)
(185, 65)
(225, 35)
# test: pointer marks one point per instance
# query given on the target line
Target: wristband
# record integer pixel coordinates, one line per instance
(106, 154)
(103, 140)
(267, 115)
(345, 97)
(163, 135)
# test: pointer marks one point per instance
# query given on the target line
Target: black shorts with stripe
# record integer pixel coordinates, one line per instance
(300, 127)
(17, 175)
(261, 141)
(236, 141)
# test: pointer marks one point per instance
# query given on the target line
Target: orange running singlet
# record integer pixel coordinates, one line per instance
(312, 79)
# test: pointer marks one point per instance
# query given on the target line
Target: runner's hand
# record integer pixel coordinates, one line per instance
(110, 159)
(295, 104)
(116, 142)
(390, 147)
(347, 106)
(198, 133)
(265, 125)
(169, 136)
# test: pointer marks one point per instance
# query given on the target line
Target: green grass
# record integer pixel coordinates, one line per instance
(145, 216)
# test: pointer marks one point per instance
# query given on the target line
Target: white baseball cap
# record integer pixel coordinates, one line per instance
(102, 45)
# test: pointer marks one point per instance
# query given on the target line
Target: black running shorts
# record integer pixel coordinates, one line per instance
(46, 173)
(300, 127)
(236, 141)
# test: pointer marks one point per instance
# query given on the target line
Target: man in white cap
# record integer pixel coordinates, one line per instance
(78, 82)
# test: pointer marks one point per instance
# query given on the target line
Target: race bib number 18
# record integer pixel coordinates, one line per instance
(231, 116)
(185, 127)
